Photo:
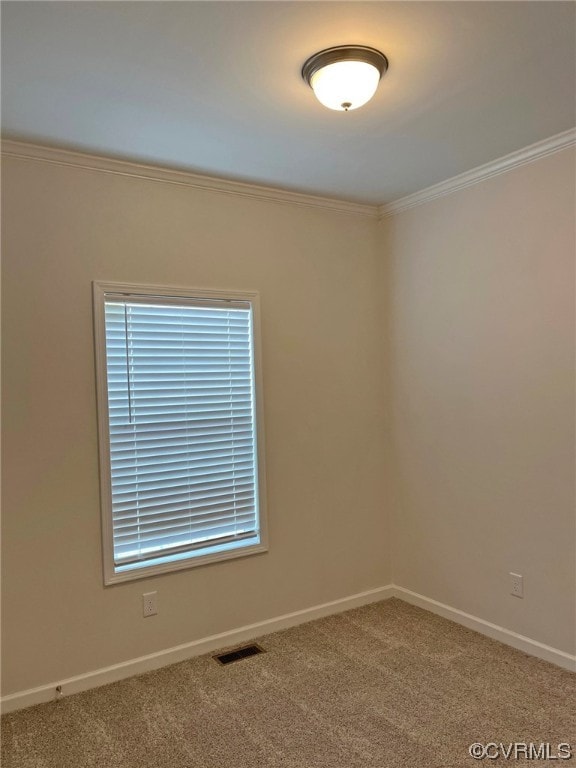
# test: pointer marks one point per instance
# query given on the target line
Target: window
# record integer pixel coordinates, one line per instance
(180, 427)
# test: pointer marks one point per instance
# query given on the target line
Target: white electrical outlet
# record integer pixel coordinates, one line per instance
(516, 585)
(150, 604)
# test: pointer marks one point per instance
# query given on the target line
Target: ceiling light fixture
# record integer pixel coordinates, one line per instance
(345, 77)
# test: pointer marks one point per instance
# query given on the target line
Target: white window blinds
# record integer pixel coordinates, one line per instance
(182, 431)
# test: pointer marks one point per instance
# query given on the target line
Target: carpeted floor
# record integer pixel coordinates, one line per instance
(382, 686)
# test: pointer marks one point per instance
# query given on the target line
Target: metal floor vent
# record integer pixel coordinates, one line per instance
(239, 653)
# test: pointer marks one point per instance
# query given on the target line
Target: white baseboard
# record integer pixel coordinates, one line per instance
(506, 636)
(163, 658)
(159, 659)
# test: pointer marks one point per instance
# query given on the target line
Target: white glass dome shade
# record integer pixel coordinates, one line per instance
(345, 77)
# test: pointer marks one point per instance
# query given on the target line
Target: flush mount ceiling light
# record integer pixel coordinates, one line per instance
(345, 77)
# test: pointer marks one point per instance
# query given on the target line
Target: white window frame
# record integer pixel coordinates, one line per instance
(100, 291)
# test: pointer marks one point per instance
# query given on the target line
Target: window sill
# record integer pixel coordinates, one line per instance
(216, 554)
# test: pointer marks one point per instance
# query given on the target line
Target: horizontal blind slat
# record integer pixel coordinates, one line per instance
(181, 502)
(209, 478)
(152, 555)
(178, 525)
(181, 511)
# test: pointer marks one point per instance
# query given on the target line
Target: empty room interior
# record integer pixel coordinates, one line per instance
(288, 376)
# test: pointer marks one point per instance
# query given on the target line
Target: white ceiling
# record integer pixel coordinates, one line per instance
(215, 87)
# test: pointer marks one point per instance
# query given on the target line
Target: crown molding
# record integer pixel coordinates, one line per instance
(481, 173)
(63, 157)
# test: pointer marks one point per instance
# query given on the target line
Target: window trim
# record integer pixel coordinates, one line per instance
(100, 290)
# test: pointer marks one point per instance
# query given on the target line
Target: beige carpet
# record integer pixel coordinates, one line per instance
(385, 685)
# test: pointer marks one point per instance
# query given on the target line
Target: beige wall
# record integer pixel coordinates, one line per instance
(480, 303)
(466, 432)
(64, 227)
